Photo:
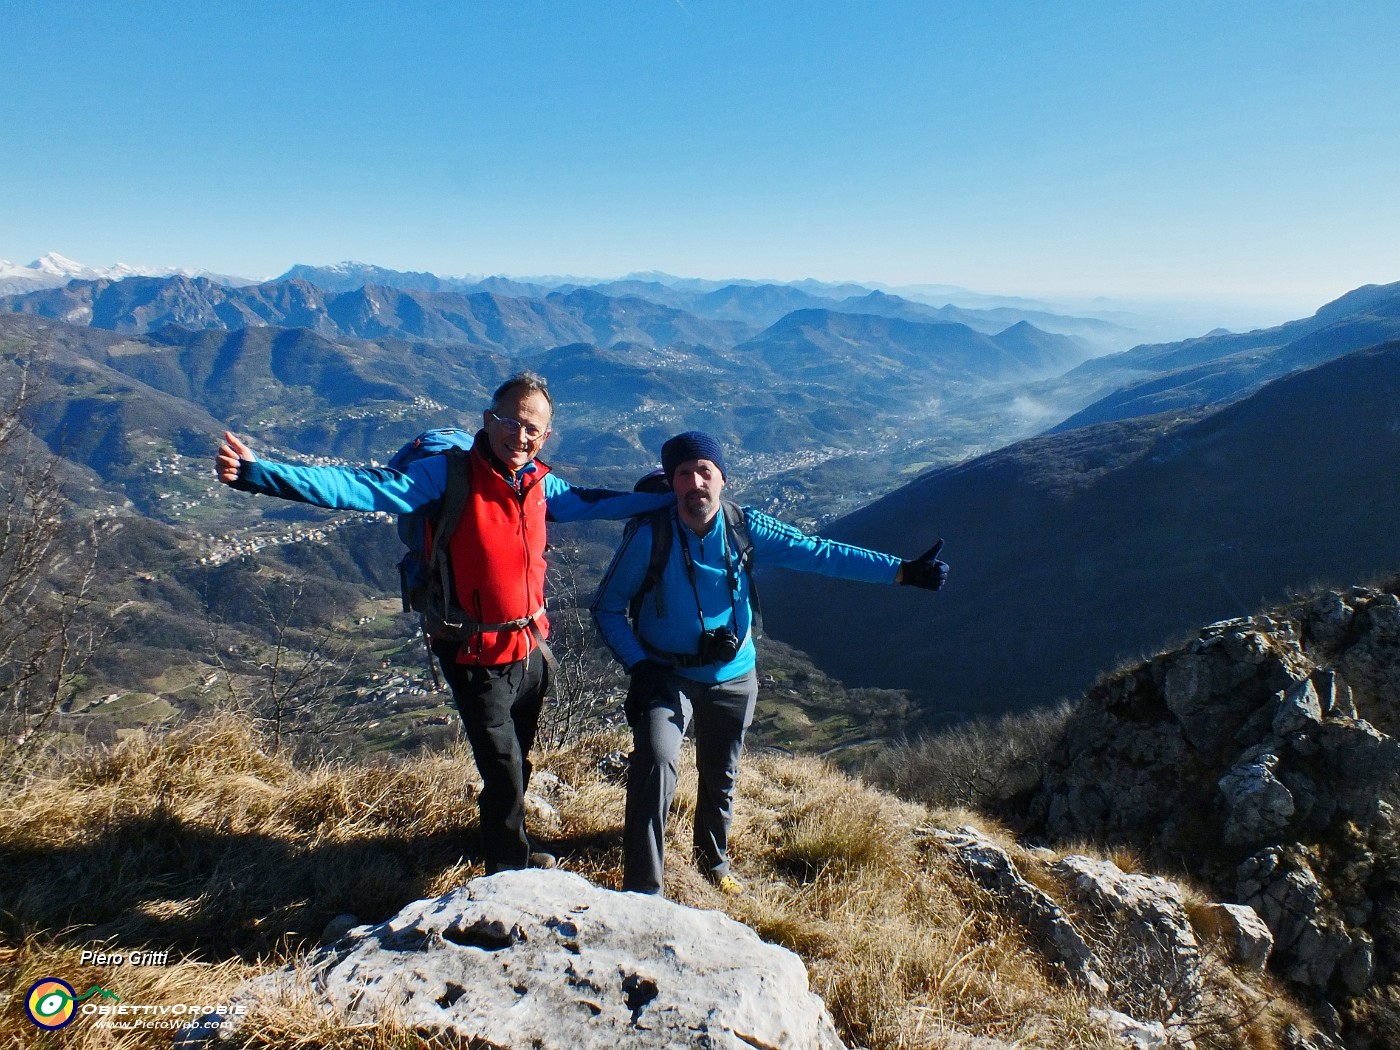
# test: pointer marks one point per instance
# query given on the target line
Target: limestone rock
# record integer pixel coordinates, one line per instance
(1334, 694)
(338, 928)
(1246, 935)
(1150, 934)
(1328, 617)
(1139, 1035)
(1370, 664)
(1142, 938)
(1258, 805)
(990, 865)
(1259, 754)
(545, 959)
(1311, 937)
(546, 790)
(1297, 709)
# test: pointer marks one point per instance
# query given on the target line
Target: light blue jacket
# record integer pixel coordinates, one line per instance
(676, 626)
(423, 483)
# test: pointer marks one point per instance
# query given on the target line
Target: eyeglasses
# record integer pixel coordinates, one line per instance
(514, 426)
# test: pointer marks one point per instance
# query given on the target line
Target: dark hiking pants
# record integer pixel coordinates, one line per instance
(500, 709)
(721, 714)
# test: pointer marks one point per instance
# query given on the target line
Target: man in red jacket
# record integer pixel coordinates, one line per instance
(498, 674)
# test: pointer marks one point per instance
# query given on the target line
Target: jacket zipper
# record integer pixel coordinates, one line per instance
(525, 576)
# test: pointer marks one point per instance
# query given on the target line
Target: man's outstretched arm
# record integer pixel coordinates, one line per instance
(566, 502)
(339, 488)
(776, 543)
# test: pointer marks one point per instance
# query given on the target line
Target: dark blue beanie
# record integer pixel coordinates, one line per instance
(693, 444)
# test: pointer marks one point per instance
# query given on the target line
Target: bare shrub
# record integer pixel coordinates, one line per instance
(46, 576)
(289, 686)
(976, 764)
(587, 681)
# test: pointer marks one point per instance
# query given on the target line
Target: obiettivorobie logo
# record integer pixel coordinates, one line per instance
(52, 1003)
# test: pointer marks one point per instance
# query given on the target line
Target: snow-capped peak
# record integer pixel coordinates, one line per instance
(52, 270)
(55, 265)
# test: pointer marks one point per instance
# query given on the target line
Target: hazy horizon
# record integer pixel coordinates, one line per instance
(1195, 152)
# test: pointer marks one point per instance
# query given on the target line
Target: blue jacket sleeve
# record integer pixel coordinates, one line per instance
(348, 488)
(775, 543)
(564, 502)
(621, 581)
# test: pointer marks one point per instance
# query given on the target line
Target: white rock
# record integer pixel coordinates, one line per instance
(1150, 929)
(545, 959)
(993, 867)
(1140, 1035)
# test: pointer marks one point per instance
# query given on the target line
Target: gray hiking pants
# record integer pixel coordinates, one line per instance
(721, 714)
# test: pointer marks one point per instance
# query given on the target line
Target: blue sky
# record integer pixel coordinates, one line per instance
(1238, 150)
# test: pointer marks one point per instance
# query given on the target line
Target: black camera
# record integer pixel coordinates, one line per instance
(718, 646)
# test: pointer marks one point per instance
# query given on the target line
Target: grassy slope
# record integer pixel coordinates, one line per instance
(199, 843)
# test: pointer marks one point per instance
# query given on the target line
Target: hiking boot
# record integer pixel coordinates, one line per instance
(729, 885)
(534, 860)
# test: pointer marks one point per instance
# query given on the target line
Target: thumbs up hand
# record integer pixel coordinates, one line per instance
(231, 453)
(925, 571)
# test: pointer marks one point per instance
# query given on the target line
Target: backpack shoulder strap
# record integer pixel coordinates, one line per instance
(660, 521)
(737, 522)
(454, 502)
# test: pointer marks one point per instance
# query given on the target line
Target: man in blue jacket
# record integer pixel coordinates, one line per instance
(690, 650)
(497, 668)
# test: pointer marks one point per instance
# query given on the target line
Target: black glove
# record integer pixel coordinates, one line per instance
(648, 682)
(926, 570)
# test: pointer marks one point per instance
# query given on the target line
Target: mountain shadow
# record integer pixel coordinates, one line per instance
(1072, 552)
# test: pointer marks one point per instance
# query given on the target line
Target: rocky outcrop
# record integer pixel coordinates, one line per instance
(1247, 938)
(1033, 908)
(1259, 757)
(1125, 939)
(1144, 927)
(545, 959)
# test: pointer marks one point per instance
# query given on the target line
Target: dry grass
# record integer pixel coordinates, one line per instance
(200, 844)
(978, 763)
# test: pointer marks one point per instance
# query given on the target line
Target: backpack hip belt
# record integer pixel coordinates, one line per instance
(462, 625)
(439, 629)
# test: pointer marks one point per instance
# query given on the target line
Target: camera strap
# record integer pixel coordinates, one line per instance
(733, 578)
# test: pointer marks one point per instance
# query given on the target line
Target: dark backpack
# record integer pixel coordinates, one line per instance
(422, 572)
(662, 534)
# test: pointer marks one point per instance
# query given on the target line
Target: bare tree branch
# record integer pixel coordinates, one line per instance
(47, 567)
(586, 681)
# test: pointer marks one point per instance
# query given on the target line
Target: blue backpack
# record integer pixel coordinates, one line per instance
(425, 532)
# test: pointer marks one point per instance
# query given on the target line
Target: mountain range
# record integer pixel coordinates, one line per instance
(52, 270)
(1108, 325)
(497, 314)
(1077, 550)
(508, 324)
(792, 395)
(1218, 368)
(823, 411)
